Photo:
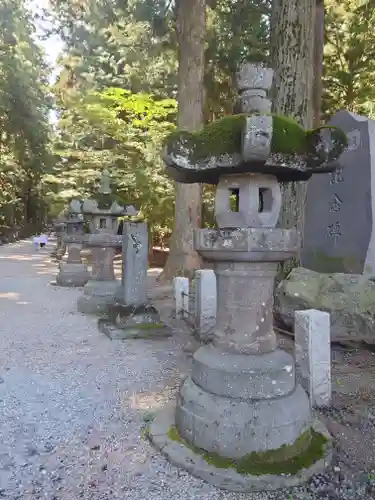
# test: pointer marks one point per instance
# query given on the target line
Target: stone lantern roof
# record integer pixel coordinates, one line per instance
(255, 141)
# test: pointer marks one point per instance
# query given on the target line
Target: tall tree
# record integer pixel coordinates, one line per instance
(318, 62)
(293, 23)
(24, 106)
(191, 30)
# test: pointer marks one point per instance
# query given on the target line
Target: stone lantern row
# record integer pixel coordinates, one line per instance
(123, 308)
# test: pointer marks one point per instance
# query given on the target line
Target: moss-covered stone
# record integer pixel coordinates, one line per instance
(224, 136)
(308, 448)
(348, 298)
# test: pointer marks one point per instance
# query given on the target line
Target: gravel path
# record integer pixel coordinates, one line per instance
(73, 403)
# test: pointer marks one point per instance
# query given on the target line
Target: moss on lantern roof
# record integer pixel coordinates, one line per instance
(295, 153)
(224, 136)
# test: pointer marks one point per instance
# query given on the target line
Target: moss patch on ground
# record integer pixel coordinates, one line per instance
(224, 136)
(145, 326)
(308, 448)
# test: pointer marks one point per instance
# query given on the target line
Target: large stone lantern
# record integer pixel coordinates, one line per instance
(241, 407)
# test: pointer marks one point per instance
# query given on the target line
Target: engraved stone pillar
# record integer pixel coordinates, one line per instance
(132, 316)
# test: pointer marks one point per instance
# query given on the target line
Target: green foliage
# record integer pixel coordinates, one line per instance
(122, 132)
(24, 106)
(349, 56)
(131, 46)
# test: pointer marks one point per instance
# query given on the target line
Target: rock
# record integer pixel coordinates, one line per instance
(349, 298)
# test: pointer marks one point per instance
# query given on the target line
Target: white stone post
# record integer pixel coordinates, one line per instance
(205, 302)
(181, 295)
(313, 354)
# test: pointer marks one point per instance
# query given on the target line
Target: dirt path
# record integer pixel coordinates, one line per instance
(73, 403)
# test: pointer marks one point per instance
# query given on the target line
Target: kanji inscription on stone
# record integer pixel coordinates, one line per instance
(335, 204)
(336, 176)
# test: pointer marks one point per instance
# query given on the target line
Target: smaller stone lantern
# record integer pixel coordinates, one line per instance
(103, 215)
(241, 408)
(73, 272)
(59, 226)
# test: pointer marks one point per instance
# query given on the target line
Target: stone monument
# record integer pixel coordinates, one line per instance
(103, 215)
(73, 272)
(241, 421)
(132, 316)
(340, 210)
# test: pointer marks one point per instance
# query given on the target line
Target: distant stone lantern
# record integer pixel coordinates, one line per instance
(73, 272)
(103, 215)
(241, 403)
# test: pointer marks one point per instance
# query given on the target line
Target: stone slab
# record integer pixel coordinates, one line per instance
(339, 226)
(205, 303)
(313, 354)
(135, 263)
(253, 377)
(228, 479)
(181, 295)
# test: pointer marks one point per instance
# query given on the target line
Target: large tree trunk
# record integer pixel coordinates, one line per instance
(191, 30)
(318, 63)
(293, 24)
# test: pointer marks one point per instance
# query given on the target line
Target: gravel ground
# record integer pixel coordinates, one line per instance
(73, 404)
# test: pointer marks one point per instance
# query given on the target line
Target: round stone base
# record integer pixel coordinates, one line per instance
(229, 479)
(237, 427)
(71, 274)
(97, 297)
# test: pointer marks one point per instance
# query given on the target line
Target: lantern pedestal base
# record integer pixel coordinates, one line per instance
(235, 427)
(163, 434)
(72, 274)
(133, 322)
(97, 297)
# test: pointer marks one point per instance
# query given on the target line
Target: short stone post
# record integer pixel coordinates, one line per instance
(205, 303)
(181, 295)
(312, 337)
(73, 272)
(100, 291)
(132, 316)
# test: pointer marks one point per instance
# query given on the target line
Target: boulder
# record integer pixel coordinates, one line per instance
(349, 298)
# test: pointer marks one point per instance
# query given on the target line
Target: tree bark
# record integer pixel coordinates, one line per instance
(318, 63)
(191, 31)
(293, 59)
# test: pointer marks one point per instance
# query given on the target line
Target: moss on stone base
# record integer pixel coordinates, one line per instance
(308, 448)
(144, 326)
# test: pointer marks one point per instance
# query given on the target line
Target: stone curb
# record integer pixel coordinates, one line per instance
(228, 479)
